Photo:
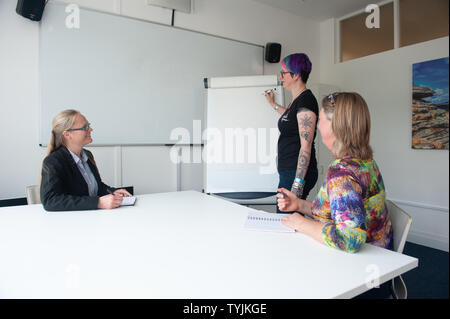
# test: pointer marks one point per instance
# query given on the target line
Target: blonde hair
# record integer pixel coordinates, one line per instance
(61, 122)
(350, 120)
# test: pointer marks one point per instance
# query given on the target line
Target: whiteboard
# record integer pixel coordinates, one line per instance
(135, 81)
(241, 136)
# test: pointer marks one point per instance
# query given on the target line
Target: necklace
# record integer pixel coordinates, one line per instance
(297, 96)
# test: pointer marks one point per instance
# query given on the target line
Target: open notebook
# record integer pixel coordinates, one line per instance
(259, 220)
(128, 201)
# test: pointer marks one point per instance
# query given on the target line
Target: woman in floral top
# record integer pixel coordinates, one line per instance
(349, 209)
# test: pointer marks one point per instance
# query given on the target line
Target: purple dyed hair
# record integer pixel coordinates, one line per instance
(298, 63)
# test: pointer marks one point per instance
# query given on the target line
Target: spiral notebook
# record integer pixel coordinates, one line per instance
(262, 221)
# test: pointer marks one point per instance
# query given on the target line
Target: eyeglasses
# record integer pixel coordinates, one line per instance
(84, 128)
(282, 73)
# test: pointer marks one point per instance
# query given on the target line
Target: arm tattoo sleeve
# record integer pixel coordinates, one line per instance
(302, 168)
(305, 135)
(306, 124)
(306, 120)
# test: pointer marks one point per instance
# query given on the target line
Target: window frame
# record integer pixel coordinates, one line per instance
(337, 28)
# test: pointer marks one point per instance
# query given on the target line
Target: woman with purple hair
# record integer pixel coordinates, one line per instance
(297, 164)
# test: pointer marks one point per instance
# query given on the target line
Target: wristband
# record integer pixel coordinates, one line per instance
(299, 180)
(298, 185)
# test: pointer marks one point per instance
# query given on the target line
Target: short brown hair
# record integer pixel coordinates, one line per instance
(350, 119)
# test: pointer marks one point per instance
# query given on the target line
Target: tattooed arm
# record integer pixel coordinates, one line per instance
(306, 128)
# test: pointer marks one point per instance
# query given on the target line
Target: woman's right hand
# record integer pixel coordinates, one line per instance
(287, 202)
(270, 98)
(109, 201)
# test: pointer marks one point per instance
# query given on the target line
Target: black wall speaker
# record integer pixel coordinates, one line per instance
(31, 9)
(273, 52)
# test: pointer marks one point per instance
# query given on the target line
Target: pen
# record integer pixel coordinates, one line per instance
(112, 192)
(269, 91)
(284, 195)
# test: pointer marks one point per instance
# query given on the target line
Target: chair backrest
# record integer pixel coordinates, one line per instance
(33, 196)
(401, 222)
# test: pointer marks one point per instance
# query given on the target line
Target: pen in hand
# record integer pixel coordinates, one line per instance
(110, 201)
(269, 91)
(112, 192)
(283, 194)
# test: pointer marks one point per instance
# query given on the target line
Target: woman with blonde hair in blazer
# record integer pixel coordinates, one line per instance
(70, 179)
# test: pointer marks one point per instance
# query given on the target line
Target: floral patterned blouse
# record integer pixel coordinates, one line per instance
(351, 203)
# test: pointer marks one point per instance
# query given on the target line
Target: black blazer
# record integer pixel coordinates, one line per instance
(62, 185)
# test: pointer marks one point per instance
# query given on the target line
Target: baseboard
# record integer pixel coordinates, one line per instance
(429, 240)
(13, 202)
(429, 225)
(419, 205)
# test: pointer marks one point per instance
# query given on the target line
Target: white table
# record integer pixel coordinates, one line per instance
(175, 245)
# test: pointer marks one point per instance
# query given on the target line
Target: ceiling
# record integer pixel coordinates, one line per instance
(319, 9)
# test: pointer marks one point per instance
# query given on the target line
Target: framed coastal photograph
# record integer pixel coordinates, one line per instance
(430, 116)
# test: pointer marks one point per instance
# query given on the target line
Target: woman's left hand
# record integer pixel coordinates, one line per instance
(122, 192)
(294, 221)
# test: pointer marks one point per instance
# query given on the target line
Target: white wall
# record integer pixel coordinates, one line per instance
(418, 180)
(21, 157)
(149, 169)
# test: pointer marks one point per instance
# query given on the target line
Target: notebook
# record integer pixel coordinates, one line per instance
(128, 201)
(259, 220)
